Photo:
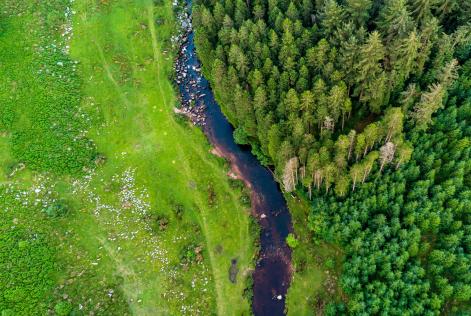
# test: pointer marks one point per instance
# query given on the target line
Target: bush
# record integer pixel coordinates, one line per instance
(292, 241)
(58, 209)
(63, 308)
(240, 136)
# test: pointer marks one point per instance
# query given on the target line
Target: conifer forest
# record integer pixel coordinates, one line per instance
(235, 157)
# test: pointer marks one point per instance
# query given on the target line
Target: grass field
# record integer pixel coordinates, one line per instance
(135, 216)
(316, 267)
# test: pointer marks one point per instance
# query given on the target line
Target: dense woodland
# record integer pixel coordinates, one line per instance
(364, 107)
(322, 89)
(407, 234)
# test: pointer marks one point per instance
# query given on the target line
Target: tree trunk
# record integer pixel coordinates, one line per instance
(398, 164)
(365, 175)
(388, 136)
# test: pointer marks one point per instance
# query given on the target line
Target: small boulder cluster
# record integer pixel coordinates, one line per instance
(188, 74)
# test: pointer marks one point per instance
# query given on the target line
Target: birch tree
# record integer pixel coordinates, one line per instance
(290, 174)
(386, 154)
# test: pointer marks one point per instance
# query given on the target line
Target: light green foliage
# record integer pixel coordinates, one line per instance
(27, 261)
(111, 227)
(292, 241)
(40, 91)
(63, 308)
(312, 281)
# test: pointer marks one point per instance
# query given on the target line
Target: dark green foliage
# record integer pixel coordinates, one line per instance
(297, 77)
(406, 234)
(240, 136)
(333, 93)
(57, 209)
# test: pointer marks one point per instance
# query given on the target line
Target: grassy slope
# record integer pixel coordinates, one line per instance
(314, 281)
(137, 220)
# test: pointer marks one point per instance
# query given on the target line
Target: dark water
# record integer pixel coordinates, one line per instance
(272, 273)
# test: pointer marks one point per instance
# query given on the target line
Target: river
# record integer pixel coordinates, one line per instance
(272, 273)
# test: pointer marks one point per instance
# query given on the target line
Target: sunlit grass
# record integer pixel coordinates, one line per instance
(155, 195)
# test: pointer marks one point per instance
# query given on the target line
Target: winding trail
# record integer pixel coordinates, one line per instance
(188, 170)
(273, 270)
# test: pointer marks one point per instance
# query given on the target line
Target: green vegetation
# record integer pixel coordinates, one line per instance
(368, 102)
(406, 235)
(40, 91)
(316, 266)
(109, 204)
(27, 261)
(322, 89)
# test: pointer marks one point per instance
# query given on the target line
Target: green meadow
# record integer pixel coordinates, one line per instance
(109, 203)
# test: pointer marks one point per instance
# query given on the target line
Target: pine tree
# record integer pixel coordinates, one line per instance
(314, 167)
(292, 12)
(449, 73)
(446, 7)
(409, 97)
(307, 9)
(358, 11)
(422, 9)
(376, 92)
(274, 142)
(404, 58)
(403, 153)
(351, 140)
(330, 173)
(369, 67)
(336, 100)
(393, 122)
(395, 19)
(428, 35)
(332, 15)
(356, 172)
(359, 146)
(369, 163)
(429, 103)
(371, 133)
(341, 185)
(292, 102)
(341, 151)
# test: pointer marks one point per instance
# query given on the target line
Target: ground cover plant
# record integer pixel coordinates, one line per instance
(363, 108)
(109, 204)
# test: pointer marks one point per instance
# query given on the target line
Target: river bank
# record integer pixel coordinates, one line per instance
(273, 271)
